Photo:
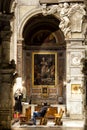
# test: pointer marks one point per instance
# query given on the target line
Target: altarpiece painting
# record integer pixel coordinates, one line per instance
(44, 71)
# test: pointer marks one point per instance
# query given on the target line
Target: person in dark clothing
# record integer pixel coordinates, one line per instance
(40, 113)
(18, 98)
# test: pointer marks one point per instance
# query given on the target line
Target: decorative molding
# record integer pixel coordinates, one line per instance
(68, 13)
(70, 1)
(76, 60)
(48, 10)
(48, 1)
(58, 1)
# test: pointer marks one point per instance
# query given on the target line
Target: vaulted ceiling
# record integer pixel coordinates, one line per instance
(5, 6)
(42, 29)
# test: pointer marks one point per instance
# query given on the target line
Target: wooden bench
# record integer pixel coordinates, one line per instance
(58, 117)
(50, 114)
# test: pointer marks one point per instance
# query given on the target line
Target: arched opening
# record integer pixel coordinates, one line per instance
(38, 29)
(43, 39)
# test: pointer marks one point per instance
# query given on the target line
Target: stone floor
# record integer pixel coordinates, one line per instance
(67, 125)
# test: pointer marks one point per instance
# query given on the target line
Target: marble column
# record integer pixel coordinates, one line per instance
(6, 70)
(6, 73)
(6, 106)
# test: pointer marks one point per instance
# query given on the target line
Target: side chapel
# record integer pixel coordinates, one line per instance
(42, 44)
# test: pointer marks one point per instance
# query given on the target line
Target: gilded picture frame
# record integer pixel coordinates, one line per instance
(75, 88)
(44, 68)
(44, 91)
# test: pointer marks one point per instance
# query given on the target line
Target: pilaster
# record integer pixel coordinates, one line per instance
(19, 57)
(75, 51)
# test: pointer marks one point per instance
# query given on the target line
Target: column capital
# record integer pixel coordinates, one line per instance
(6, 17)
(20, 39)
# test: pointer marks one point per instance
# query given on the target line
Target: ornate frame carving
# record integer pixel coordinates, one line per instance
(44, 91)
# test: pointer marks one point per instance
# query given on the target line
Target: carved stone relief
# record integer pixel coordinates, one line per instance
(71, 18)
(70, 14)
(65, 22)
(76, 14)
(48, 10)
(76, 58)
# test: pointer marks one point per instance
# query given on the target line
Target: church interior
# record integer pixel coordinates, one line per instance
(43, 58)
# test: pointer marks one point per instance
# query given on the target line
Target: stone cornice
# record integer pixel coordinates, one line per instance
(58, 1)
(75, 39)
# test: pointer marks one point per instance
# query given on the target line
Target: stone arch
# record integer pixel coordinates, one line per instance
(26, 20)
(28, 16)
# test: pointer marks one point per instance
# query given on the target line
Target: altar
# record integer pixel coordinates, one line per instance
(26, 105)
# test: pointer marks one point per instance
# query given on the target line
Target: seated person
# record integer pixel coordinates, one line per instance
(40, 113)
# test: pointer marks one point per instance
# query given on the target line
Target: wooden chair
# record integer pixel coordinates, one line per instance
(25, 118)
(43, 120)
(58, 117)
(28, 113)
(51, 112)
(49, 115)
